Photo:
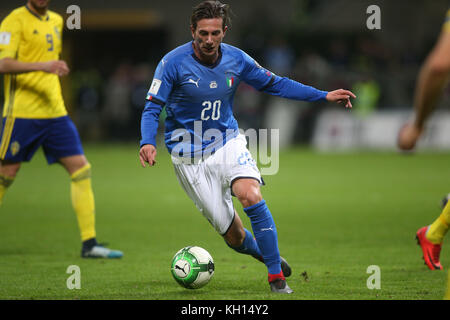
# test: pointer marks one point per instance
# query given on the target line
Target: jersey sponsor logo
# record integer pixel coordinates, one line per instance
(154, 88)
(194, 82)
(5, 37)
(213, 85)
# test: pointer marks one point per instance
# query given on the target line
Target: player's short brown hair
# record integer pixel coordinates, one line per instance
(211, 10)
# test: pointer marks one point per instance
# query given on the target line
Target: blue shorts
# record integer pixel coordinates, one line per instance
(21, 138)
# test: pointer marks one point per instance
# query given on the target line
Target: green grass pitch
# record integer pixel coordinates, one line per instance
(336, 215)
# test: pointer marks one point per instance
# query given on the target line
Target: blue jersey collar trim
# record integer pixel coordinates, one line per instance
(36, 15)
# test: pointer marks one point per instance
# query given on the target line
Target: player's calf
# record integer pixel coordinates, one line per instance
(8, 172)
(266, 235)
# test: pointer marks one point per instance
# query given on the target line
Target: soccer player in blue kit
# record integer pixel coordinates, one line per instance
(196, 82)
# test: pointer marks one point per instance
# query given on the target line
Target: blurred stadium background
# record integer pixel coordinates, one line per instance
(322, 43)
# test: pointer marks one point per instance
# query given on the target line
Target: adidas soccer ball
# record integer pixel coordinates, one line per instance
(192, 267)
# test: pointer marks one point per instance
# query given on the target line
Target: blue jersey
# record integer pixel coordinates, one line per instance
(199, 98)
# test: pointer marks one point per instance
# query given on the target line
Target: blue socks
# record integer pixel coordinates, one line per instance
(266, 235)
(248, 246)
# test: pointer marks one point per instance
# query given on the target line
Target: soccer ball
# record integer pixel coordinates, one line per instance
(192, 267)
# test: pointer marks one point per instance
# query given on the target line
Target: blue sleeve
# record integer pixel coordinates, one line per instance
(157, 96)
(149, 123)
(163, 80)
(264, 80)
(290, 89)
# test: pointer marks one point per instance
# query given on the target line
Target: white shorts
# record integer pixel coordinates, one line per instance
(208, 182)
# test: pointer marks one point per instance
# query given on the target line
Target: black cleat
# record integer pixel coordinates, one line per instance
(99, 251)
(285, 267)
(280, 286)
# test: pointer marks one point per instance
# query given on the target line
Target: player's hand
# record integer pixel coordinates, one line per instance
(147, 154)
(408, 136)
(341, 96)
(58, 67)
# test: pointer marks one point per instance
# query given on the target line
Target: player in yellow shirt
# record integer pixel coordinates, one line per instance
(34, 113)
(433, 78)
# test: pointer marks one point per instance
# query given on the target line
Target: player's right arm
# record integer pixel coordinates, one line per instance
(147, 154)
(10, 39)
(433, 78)
(10, 65)
(156, 99)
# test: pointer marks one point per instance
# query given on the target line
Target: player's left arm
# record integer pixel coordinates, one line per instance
(291, 89)
(268, 82)
(433, 78)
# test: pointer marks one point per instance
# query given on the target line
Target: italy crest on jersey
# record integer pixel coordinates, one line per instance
(230, 81)
(230, 77)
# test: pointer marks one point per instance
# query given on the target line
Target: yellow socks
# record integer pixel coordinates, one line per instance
(83, 201)
(439, 228)
(5, 182)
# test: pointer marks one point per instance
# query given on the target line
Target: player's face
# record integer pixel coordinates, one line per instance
(39, 4)
(207, 38)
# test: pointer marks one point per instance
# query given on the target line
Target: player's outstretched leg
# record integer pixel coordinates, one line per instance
(431, 251)
(84, 206)
(266, 237)
(430, 237)
(242, 241)
(248, 193)
(250, 247)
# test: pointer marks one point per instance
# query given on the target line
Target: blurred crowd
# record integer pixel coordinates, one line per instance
(109, 108)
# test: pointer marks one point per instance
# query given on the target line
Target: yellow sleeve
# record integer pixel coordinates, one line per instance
(446, 26)
(10, 36)
(61, 28)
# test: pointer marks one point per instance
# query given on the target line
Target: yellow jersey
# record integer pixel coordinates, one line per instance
(29, 37)
(446, 26)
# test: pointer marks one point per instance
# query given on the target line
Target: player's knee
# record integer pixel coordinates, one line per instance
(235, 239)
(81, 173)
(250, 197)
(75, 163)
